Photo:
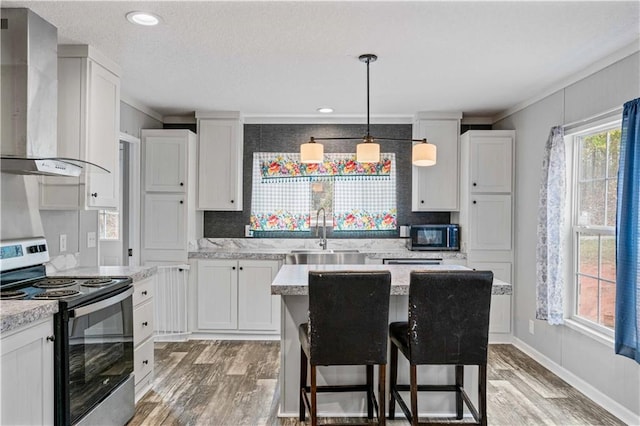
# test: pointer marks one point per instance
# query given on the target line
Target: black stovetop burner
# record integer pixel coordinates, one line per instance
(55, 283)
(55, 294)
(12, 295)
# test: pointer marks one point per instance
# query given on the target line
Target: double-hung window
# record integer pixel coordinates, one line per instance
(595, 163)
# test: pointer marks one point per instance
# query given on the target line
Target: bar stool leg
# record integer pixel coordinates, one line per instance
(303, 383)
(414, 394)
(382, 378)
(482, 398)
(459, 386)
(369, 391)
(393, 381)
(314, 401)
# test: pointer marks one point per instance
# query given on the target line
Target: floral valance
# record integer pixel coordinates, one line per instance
(288, 166)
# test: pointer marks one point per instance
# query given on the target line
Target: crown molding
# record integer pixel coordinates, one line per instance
(324, 119)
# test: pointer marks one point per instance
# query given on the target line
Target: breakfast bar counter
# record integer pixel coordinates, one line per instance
(291, 283)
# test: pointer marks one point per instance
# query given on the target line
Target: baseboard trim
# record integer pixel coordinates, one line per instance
(224, 336)
(613, 407)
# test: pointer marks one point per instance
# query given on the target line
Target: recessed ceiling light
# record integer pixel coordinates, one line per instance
(143, 18)
(325, 110)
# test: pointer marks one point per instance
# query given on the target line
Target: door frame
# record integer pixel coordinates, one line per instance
(133, 218)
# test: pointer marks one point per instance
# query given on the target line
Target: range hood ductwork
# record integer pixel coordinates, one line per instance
(29, 87)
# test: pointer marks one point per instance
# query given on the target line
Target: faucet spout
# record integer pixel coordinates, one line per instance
(323, 241)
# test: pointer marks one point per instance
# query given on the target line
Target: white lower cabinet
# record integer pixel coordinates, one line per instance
(27, 375)
(500, 315)
(143, 336)
(234, 296)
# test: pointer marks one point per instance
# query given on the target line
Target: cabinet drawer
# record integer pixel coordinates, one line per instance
(142, 322)
(143, 290)
(143, 360)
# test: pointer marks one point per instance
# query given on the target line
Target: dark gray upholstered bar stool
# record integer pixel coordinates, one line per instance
(448, 324)
(348, 323)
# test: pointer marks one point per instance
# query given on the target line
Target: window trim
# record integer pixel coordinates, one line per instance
(585, 326)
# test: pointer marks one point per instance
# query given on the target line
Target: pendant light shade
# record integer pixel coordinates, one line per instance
(423, 154)
(368, 152)
(311, 152)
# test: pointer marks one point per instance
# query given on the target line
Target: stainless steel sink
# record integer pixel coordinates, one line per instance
(324, 257)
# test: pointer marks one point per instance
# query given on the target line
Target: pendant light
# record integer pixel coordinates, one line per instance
(368, 151)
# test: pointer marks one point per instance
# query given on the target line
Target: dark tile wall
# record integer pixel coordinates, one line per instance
(287, 138)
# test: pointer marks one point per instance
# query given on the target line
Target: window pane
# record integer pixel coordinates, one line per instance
(591, 203)
(608, 257)
(588, 254)
(612, 199)
(588, 298)
(607, 303)
(614, 152)
(109, 225)
(593, 155)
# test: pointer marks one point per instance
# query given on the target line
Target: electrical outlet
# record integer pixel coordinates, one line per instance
(63, 243)
(91, 239)
(531, 327)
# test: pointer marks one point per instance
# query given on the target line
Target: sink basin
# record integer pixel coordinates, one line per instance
(314, 251)
(324, 257)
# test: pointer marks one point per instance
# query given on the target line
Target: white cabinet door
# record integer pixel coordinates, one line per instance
(103, 127)
(88, 129)
(164, 223)
(490, 222)
(491, 160)
(220, 164)
(217, 295)
(435, 188)
(257, 308)
(27, 376)
(165, 161)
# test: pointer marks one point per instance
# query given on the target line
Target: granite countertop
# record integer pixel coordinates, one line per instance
(292, 280)
(279, 254)
(136, 273)
(16, 313)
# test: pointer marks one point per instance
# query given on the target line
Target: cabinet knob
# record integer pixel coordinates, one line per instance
(474, 201)
(180, 269)
(475, 184)
(94, 194)
(51, 338)
(421, 201)
(231, 201)
(181, 183)
(181, 202)
(233, 268)
(144, 292)
(146, 361)
(240, 268)
(144, 324)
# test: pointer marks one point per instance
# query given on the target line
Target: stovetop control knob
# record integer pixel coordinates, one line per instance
(32, 249)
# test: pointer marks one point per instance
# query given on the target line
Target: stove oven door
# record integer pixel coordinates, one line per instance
(99, 354)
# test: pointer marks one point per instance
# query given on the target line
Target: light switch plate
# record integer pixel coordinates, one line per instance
(63, 243)
(91, 239)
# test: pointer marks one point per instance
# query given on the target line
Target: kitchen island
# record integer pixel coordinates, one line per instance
(291, 283)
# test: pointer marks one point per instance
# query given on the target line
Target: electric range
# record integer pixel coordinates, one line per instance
(93, 334)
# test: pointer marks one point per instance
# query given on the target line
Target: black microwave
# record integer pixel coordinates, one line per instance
(434, 237)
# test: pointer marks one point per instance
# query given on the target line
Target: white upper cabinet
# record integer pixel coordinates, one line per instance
(165, 162)
(220, 147)
(435, 188)
(88, 129)
(491, 164)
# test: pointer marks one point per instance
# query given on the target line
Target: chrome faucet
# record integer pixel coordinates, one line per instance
(323, 241)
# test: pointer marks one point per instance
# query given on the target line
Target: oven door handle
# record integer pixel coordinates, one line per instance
(84, 310)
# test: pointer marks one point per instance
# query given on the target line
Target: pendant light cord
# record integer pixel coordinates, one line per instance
(368, 134)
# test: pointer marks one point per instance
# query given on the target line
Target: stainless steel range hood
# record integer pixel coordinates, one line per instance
(30, 98)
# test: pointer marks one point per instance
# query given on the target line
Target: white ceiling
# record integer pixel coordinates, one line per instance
(289, 58)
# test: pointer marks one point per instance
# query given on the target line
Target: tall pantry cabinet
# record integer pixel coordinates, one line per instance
(486, 211)
(170, 219)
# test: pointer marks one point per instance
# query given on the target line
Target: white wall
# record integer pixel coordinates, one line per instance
(19, 207)
(591, 361)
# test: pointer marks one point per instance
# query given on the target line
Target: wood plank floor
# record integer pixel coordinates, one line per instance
(231, 383)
